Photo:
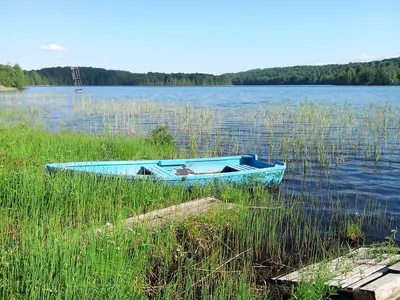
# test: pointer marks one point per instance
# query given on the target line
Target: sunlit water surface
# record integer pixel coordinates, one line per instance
(363, 161)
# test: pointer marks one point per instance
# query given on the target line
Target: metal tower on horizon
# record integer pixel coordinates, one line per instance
(76, 77)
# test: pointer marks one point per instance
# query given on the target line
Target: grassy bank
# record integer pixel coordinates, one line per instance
(49, 247)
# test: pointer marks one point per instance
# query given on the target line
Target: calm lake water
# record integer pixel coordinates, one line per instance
(233, 95)
(354, 180)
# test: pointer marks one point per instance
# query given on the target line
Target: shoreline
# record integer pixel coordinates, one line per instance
(255, 240)
(7, 89)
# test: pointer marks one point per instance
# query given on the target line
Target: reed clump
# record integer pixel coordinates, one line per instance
(49, 246)
(305, 133)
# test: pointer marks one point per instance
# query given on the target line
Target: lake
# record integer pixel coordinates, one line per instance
(341, 142)
(233, 95)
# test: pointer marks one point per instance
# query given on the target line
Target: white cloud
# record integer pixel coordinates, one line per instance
(53, 47)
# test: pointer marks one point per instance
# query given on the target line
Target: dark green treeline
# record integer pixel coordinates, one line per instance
(384, 72)
(98, 76)
(13, 77)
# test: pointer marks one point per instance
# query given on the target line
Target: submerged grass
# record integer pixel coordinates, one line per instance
(304, 133)
(49, 248)
(48, 245)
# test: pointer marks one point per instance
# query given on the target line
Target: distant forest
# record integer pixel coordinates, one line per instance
(384, 72)
(13, 77)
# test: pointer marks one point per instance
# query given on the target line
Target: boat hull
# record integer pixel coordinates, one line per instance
(197, 171)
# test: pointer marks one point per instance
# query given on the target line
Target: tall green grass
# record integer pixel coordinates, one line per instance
(48, 244)
(50, 249)
(303, 133)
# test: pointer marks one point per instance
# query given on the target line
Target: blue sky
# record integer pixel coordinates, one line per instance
(196, 36)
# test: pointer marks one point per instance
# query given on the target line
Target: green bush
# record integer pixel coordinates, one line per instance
(162, 135)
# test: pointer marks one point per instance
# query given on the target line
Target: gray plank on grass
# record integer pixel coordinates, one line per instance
(366, 280)
(380, 289)
(333, 268)
(178, 212)
(390, 260)
(359, 273)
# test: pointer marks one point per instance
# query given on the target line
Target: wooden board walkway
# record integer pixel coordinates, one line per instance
(367, 273)
(163, 216)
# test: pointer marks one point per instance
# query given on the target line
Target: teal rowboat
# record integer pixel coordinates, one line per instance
(240, 169)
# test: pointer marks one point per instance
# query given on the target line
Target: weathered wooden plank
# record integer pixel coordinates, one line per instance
(395, 296)
(360, 265)
(366, 280)
(333, 268)
(373, 258)
(366, 268)
(177, 212)
(390, 260)
(359, 273)
(395, 267)
(379, 289)
(363, 272)
(349, 272)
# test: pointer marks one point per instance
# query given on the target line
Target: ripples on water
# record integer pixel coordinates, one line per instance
(340, 143)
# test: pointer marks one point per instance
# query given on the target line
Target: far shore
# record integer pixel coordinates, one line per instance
(4, 88)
